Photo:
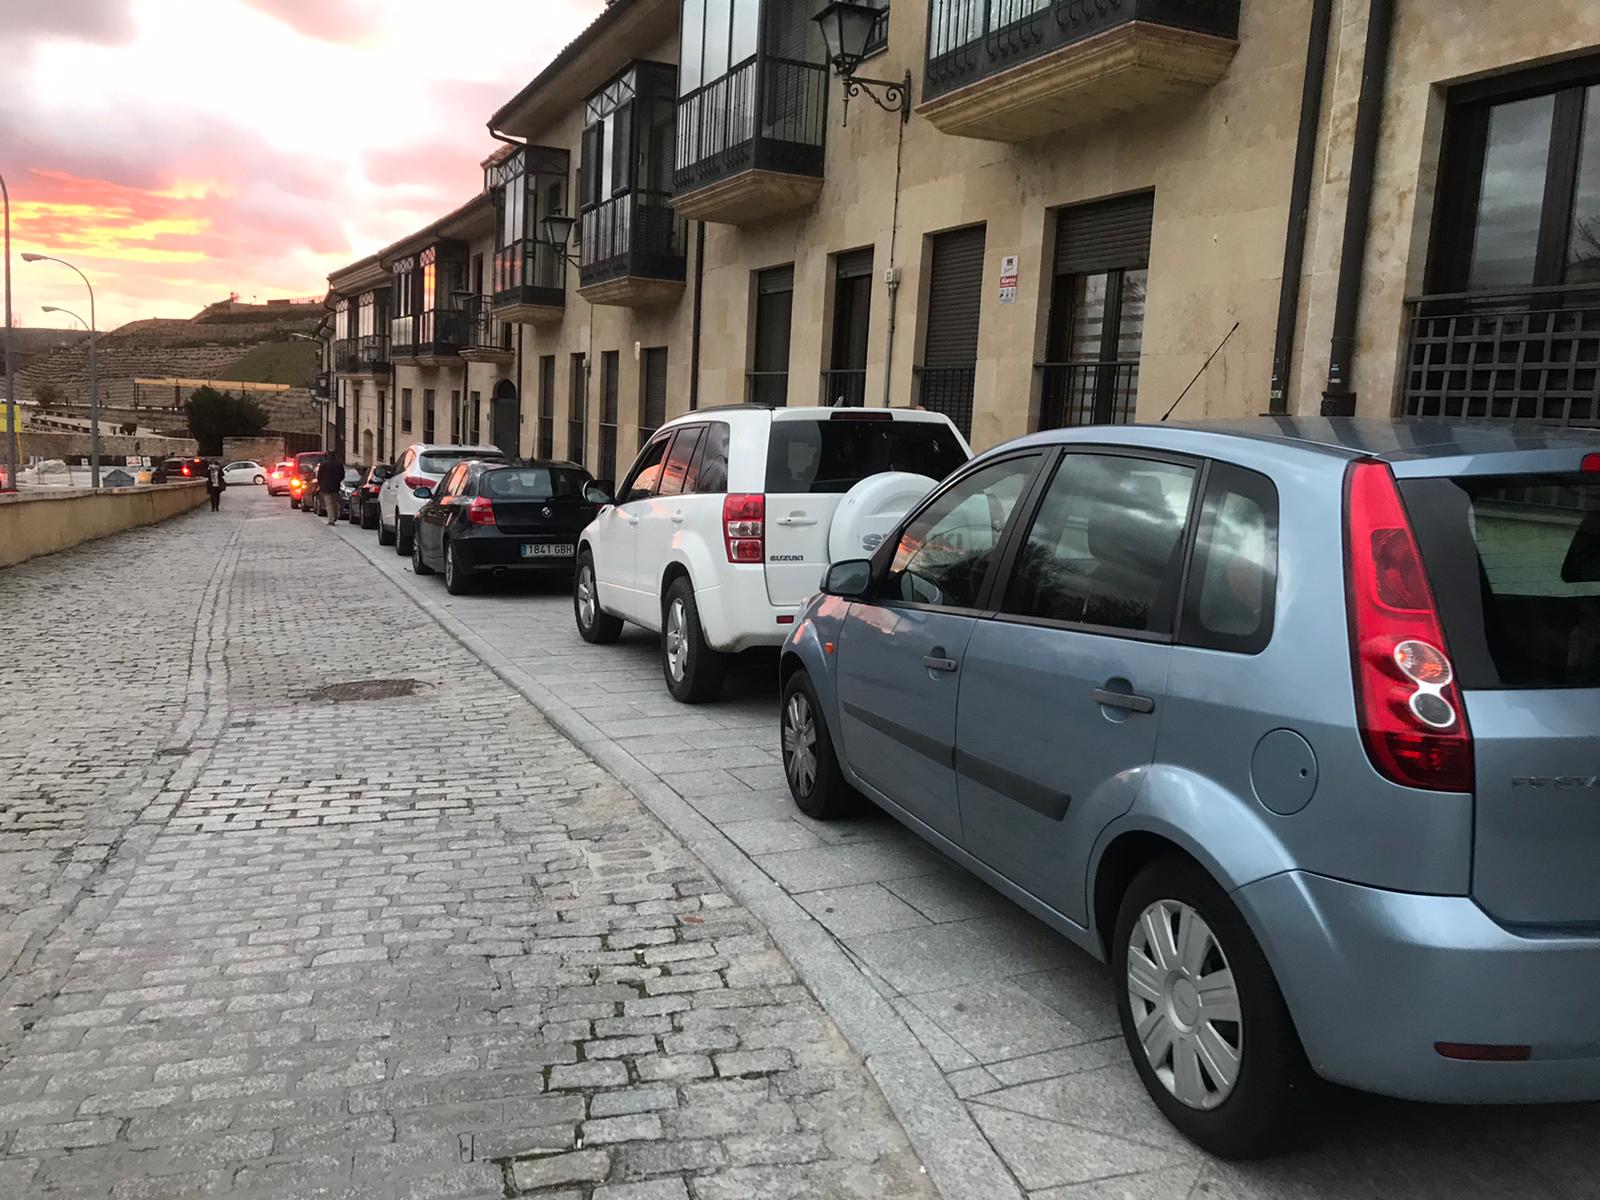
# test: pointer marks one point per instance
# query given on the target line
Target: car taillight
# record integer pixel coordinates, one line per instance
(481, 511)
(416, 481)
(1409, 706)
(744, 525)
(185, 469)
(1591, 462)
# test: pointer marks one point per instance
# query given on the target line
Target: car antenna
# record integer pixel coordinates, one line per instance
(1201, 371)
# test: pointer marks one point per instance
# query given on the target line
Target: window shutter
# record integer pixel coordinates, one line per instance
(1104, 236)
(622, 156)
(955, 298)
(854, 265)
(589, 180)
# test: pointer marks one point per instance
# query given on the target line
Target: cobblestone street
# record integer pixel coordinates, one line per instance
(533, 928)
(257, 942)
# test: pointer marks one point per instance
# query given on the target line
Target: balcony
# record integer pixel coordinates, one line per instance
(428, 339)
(633, 251)
(344, 355)
(1011, 70)
(750, 144)
(488, 337)
(1090, 392)
(1531, 355)
(530, 283)
(370, 355)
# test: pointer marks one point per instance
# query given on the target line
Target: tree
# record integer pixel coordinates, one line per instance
(215, 415)
(48, 395)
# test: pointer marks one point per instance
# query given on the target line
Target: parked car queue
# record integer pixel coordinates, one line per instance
(1293, 723)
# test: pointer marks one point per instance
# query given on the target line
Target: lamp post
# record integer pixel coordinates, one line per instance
(846, 29)
(94, 368)
(13, 450)
(557, 233)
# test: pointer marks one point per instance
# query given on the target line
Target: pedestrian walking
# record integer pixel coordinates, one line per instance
(329, 476)
(214, 484)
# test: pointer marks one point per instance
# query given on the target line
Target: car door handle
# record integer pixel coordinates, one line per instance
(1127, 700)
(790, 521)
(934, 663)
(632, 520)
(677, 518)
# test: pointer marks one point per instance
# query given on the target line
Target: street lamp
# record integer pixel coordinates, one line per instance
(13, 450)
(94, 368)
(558, 232)
(846, 28)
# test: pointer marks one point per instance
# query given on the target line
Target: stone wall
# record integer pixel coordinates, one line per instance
(265, 450)
(44, 521)
(113, 448)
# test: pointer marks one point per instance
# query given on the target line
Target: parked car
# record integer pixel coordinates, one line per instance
(244, 471)
(280, 478)
(366, 509)
(353, 476)
(723, 527)
(1295, 723)
(419, 465)
(177, 470)
(303, 482)
(489, 519)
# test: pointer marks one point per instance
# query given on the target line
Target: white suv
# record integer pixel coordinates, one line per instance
(726, 522)
(419, 465)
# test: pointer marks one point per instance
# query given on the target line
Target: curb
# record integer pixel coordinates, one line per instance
(958, 1158)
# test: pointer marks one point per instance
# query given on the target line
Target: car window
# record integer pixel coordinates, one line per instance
(946, 553)
(708, 473)
(1106, 546)
(1233, 579)
(643, 480)
(534, 483)
(675, 472)
(437, 462)
(836, 454)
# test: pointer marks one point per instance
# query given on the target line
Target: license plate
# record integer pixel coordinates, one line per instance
(541, 550)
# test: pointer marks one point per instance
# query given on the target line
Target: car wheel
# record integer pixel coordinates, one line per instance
(385, 534)
(293, 503)
(809, 763)
(403, 537)
(693, 669)
(1210, 1035)
(260, 479)
(369, 519)
(595, 625)
(456, 581)
(418, 567)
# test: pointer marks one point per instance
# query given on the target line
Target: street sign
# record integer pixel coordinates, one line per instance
(1008, 279)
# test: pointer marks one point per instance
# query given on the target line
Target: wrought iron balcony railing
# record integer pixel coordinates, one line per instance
(844, 387)
(770, 389)
(636, 234)
(530, 272)
(371, 353)
(767, 114)
(1087, 393)
(403, 336)
(948, 390)
(344, 354)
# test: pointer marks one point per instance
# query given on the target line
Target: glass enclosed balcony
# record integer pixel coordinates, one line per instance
(530, 274)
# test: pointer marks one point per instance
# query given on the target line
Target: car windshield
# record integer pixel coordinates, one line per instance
(837, 454)
(534, 483)
(1515, 567)
(352, 475)
(437, 462)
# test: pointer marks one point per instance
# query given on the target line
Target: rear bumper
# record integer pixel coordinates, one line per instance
(1375, 979)
(736, 614)
(503, 552)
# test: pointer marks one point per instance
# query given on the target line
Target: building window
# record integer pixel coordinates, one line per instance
(768, 381)
(427, 415)
(878, 39)
(946, 378)
(578, 410)
(455, 418)
(1096, 324)
(845, 380)
(610, 362)
(475, 417)
(405, 410)
(628, 155)
(1510, 327)
(652, 392)
(545, 447)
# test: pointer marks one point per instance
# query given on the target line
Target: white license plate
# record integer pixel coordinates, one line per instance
(540, 550)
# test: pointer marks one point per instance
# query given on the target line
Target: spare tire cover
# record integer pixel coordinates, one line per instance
(870, 510)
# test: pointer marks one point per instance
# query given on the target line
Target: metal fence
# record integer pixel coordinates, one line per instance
(948, 390)
(770, 114)
(767, 388)
(1087, 393)
(844, 387)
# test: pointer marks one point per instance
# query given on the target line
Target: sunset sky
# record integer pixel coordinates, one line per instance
(179, 150)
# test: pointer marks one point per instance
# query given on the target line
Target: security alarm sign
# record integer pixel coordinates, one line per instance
(1008, 279)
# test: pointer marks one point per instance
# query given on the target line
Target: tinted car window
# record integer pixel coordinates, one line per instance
(533, 483)
(675, 472)
(709, 471)
(1106, 546)
(837, 454)
(1234, 577)
(945, 554)
(643, 480)
(437, 462)
(1515, 567)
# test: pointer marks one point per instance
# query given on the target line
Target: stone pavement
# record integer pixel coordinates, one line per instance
(258, 942)
(1018, 1024)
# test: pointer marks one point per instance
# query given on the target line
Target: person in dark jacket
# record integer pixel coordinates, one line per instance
(330, 474)
(215, 483)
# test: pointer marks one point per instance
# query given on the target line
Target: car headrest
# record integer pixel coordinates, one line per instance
(1583, 556)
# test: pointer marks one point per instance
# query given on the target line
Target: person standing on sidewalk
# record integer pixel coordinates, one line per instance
(330, 474)
(215, 483)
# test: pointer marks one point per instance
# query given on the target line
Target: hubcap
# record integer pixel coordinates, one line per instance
(799, 744)
(677, 643)
(1185, 1005)
(586, 597)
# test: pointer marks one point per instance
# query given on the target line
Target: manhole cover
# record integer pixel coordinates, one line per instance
(369, 689)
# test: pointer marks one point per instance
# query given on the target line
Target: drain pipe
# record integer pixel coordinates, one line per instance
(694, 340)
(1294, 243)
(1338, 400)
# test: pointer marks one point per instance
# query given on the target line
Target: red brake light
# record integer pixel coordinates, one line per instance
(860, 414)
(416, 481)
(744, 522)
(1591, 462)
(481, 511)
(185, 469)
(1412, 720)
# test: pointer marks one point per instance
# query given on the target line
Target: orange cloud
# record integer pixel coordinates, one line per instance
(109, 220)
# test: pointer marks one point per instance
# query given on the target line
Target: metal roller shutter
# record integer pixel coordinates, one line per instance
(853, 264)
(955, 303)
(1104, 236)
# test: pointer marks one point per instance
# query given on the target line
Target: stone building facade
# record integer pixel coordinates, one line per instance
(1087, 209)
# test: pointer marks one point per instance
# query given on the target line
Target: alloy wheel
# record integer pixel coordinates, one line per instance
(677, 640)
(586, 595)
(1185, 1004)
(800, 744)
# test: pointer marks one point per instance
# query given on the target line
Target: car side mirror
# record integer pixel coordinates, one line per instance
(423, 493)
(848, 580)
(599, 491)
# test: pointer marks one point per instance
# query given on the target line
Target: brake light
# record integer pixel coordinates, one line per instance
(1412, 720)
(185, 469)
(744, 524)
(416, 481)
(860, 414)
(481, 511)
(1591, 462)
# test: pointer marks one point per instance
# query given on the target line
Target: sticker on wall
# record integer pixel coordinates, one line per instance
(1008, 279)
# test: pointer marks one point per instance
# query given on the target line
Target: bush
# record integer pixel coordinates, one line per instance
(215, 415)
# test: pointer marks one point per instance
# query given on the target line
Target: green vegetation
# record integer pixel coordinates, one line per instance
(215, 415)
(293, 363)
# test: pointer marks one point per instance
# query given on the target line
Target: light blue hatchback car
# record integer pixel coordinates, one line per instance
(1295, 722)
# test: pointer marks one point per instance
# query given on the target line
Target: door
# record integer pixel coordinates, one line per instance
(652, 392)
(950, 353)
(769, 374)
(664, 514)
(609, 367)
(436, 513)
(901, 656)
(505, 418)
(619, 524)
(845, 381)
(1062, 691)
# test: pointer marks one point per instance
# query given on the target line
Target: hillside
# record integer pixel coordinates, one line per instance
(293, 363)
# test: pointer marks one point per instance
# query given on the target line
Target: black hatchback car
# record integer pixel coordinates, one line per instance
(495, 519)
